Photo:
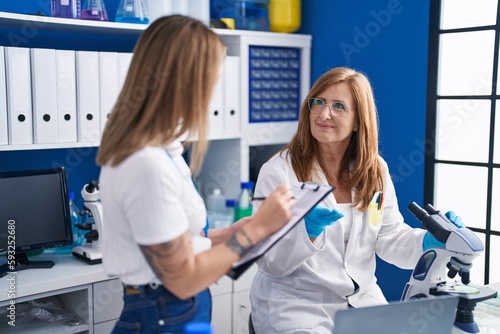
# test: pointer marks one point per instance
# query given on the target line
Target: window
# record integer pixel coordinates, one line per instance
(462, 169)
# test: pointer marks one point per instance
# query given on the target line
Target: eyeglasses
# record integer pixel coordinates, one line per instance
(317, 105)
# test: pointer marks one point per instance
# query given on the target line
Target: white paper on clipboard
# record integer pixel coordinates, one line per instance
(307, 196)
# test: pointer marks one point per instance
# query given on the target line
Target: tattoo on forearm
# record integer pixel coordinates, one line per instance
(236, 246)
(158, 255)
(247, 237)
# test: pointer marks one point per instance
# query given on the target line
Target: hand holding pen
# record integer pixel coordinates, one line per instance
(275, 210)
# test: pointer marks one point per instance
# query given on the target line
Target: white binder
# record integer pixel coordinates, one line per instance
(124, 59)
(4, 138)
(216, 111)
(18, 74)
(108, 83)
(87, 97)
(66, 96)
(44, 86)
(232, 110)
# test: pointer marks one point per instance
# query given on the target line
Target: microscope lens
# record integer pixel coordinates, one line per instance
(465, 277)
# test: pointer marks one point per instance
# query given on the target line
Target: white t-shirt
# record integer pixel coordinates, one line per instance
(147, 199)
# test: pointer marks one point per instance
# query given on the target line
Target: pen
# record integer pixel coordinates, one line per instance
(380, 200)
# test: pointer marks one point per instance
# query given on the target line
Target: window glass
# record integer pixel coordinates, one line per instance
(494, 267)
(495, 209)
(478, 264)
(463, 69)
(467, 13)
(462, 189)
(463, 130)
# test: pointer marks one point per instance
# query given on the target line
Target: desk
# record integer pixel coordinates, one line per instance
(487, 313)
(83, 289)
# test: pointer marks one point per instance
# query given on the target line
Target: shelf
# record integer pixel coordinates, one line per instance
(37, 326)
(69, 26)
(46, 146)
(27, 147)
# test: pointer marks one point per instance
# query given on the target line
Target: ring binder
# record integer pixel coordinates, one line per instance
(308, 195)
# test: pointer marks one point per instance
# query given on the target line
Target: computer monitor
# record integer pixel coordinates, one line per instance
(34, 215)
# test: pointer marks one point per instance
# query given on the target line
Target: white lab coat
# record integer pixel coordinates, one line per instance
(300, 285)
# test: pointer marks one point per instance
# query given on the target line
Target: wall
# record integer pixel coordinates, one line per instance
(388, 41)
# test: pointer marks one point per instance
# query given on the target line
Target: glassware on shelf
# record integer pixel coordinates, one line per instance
(132, 11)
(69, 9)
(94, 10)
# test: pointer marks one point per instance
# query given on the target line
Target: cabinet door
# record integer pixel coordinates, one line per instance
(221, 314)
(105, 327)
(223, 286)
(241, 311)
(108, 300)
(244, 282)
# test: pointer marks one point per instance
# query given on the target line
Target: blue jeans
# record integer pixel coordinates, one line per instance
(159, 311)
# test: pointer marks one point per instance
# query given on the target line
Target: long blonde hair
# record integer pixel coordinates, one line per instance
(366, 176)
(167, 91)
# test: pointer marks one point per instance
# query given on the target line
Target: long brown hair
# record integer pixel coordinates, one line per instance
(167, 91)
(366, 176)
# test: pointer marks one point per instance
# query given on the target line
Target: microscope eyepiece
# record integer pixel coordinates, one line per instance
(432, 220)
(92, 186)
(417, 211)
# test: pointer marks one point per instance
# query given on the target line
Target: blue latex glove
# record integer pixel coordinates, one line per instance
(319, 218)
(431, 242)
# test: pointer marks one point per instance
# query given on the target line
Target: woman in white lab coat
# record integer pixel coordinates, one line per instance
(311, 273)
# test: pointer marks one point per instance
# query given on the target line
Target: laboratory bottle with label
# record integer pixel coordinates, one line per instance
(76, 220)
(244, 208)
(132, 11)
(94, 10)
(231, 204)
(252, 15)
(69, 9)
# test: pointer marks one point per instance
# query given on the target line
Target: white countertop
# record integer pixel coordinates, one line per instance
(487, 313)
(67, 272)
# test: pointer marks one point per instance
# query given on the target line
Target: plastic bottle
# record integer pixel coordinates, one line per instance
(69, 9)
(76, 219)
(198, 328)
(252, 15)
(231, 205)
(244, 208)
(132, 11)
(216, 209)
(216, 202)
(94, 10)
(284, 15)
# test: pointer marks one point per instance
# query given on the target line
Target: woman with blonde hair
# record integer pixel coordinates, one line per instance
(328, 263)
(153, 216)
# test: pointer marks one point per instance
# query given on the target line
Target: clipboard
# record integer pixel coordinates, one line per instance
(307, 195)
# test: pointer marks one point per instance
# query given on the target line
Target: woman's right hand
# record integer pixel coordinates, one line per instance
(274, 212)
